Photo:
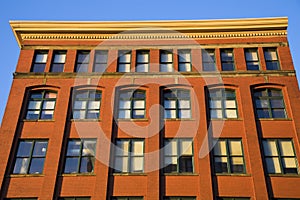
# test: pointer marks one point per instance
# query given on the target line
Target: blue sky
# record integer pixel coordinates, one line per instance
(96, 10)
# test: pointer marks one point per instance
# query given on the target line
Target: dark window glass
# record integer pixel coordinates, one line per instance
(228, 156)
(166, 61)
(58, 61)
(222, 104)
(80, 156)
(269, 103)
(227, 59)
(280, 157)
(271, 58)
(82, 61)
(178, 155)
(39, 61)
(184, 60)
(252, 60)
(132, 104)
(100, 61)
(142, 61)
(124, 61)
(87, 104)
(129, 156)
(177, 104)
(30, 157)
(41, 105)
(208, 60)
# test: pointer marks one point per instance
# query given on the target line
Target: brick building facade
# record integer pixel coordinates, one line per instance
(152, 110)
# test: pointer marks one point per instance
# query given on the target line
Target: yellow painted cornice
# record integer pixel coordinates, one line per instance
(25, 30)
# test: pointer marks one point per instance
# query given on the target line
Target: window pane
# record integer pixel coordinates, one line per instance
(41, 57)
(125, 104)
(36, 166)
(79, 114)
(166, 67)
(166, 56)
(87, 164)
(278, 113)
(40, 149)
(142, 56)
(235, 148)
(101, 56)
(220, 148)
(38, 68)
(226, 55)
(71, 165)
(49, 105)
(185, 67)
(251, 54)
(21, 166)
(80, 104)
(171, 147)
(124, 114)
(74, 148)
(24, 149)
(170, 104)
(221, 164)
(273, 165)
(262, 103)
(89, 148)
(237, 165)
(186, 148)
(99, 67)
(142, 68)
(94, 105)
(185, 164)
(124, 67)
(230, 113)
(122, 148)
(227, 66)
(48, 114)
(59, 58)
(125, 58)
(83, 57)
(270, 148)
(121, 164)
(138, 114)
(92, 114)
(184, 56)
(230, 104)
(137, 148)
(34, 105)
(183, 104)
(277, 103)
(137, 164)
(184, 114)
(289, 163)
(216, 114)
(215, 103)
(209, 67)
(263, 113)
(32, 115)
(138, 104)
(286, 148)
(170, 114)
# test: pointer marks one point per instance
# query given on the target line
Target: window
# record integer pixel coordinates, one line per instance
(39, 61)
(132, 104)
(83, 60)
(100, 61)
(271, 59)
(178, 155)
(227, 60)
(166, 61)
(30, 157)
(41, 105)
(177, 104)
(142, 61)
(179, 198)
(269, 103)
(87, 104)
(58, 61)
(280, 156)
(124, 61)
(228, 156)
(208, 60)
(74, 198)
(129, 156)
(127, 198)
(184, 60)
(80, 156)
(233, 198)
(252, 61)
(222, 104)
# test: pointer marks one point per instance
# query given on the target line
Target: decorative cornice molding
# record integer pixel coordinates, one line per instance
(179, 29)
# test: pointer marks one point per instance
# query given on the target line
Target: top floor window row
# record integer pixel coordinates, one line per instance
(164, 60)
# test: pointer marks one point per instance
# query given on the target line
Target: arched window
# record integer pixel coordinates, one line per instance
(222, 103)
(269, 103)
(87, 104)
(41, 104)
(177, 104)
(132, 104)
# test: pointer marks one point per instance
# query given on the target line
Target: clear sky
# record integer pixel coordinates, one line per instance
(109, 10)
